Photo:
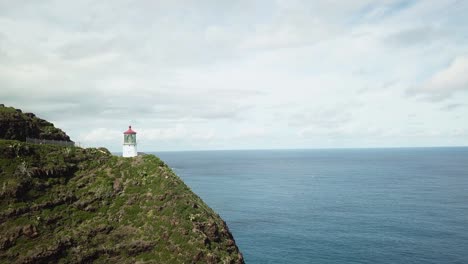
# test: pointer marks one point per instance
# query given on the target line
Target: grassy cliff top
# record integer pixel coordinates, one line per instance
(74, 205)
(16, 125)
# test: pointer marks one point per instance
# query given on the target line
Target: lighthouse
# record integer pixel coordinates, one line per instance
(129, 145)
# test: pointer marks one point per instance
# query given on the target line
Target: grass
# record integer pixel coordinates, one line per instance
(107, 208)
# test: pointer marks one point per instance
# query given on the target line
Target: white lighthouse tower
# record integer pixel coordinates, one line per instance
(129, 145)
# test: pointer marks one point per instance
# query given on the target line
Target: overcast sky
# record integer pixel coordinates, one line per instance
(241, 74)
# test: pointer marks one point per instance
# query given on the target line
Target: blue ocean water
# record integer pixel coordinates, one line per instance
(337, 206)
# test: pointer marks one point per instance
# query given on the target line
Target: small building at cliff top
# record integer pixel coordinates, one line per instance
(129, 145)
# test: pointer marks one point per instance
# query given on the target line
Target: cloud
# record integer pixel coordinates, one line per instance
(446, 82)
(177, 132)
(420, 35)
(98, 135)
(342, 131)
(451, 107)
(235, 74)
(249, 133)
(324, 118)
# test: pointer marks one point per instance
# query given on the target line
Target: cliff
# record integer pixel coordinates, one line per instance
(16, 125)
(74, 205)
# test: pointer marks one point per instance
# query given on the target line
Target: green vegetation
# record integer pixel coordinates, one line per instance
(72, 205)
(76, 205)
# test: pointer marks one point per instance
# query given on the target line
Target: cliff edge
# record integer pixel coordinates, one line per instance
(72, 205)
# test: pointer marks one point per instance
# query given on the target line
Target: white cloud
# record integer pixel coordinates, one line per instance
(446, 82)
(250, 133)
(238, 74)
(98, 135)
(177, 132)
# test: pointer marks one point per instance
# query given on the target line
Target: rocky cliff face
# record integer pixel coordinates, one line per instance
(16, 125)
(72, 205)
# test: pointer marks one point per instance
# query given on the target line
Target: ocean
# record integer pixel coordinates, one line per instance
(402, 205)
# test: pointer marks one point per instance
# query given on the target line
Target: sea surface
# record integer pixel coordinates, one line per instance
(406, 205)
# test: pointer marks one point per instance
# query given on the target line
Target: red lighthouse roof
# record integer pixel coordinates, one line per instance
(129, 131)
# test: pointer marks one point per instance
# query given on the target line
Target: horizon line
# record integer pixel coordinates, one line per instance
(323, 148)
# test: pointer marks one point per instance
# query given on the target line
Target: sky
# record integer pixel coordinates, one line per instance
(210, 74)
